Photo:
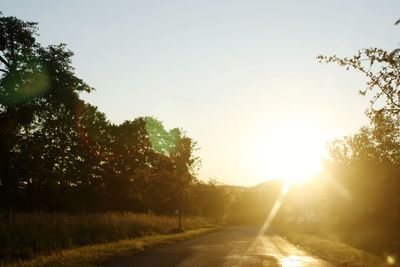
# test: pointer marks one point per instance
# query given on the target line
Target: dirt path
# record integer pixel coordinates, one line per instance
(231, 247)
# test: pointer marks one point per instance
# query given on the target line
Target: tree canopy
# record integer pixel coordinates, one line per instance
(365, 167)
(59, 153)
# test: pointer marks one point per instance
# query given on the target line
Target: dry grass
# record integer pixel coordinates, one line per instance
(95, 255)
(31, 235)
(335, 252)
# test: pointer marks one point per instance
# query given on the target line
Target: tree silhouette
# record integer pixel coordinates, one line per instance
(366, 165)
(34, 81)
(58, 153)
(382, 70)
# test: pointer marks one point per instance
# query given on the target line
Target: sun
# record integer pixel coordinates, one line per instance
(290, 151)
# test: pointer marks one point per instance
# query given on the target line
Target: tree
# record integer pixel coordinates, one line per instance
(382, 70)
(365, 166)
(33, 81)
(58, 153)
(210, 199)
(180, 150)
(131, 153)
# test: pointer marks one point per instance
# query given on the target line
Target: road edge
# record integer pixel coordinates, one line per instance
(100, 254)
(337, 253)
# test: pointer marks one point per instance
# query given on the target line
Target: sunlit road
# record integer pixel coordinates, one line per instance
(230, 247)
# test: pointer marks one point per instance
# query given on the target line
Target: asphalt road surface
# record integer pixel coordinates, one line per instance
(230, 247)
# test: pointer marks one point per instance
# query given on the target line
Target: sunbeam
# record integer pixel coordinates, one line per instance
(275, 208)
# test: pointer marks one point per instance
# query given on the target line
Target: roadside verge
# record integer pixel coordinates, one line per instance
(95, 255)
(337, 253)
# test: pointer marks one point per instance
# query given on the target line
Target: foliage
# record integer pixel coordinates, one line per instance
(210, 200)
(365, 167)
(35, 83)
(58, 153)
(382, 70)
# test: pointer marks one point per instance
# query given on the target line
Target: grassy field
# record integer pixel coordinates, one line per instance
(335, 252)
(97, 255)
(32, 235)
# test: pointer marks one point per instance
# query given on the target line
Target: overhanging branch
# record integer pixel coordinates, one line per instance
(5, 62)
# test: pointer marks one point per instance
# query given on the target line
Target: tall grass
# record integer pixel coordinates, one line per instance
(338, 253)
(29, 235)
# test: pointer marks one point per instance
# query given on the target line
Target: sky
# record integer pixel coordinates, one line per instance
(241, 77)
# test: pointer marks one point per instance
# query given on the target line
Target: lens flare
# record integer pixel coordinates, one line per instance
(162, 141)
(275, 208)
(21, 86)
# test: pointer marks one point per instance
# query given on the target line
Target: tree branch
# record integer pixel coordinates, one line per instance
(12, 47)
(5, 62)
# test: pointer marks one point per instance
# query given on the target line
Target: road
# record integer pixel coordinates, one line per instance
(230, 247)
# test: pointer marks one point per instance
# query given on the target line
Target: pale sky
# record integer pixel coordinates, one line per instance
(228, 72)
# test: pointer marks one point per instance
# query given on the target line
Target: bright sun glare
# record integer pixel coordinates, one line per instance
(291, 151)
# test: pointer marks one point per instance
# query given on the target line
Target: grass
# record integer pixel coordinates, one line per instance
(95, 255)
(337, 253)
(32, 235)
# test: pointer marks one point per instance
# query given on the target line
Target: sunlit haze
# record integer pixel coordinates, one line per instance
(247, 133)
(292, 150)
(241, 77)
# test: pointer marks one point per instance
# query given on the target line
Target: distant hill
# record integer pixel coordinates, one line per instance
(267, 185)
(234, 188)
(252, 204)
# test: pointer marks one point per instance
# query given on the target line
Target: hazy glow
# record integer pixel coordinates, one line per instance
(218, 68)
(391, 260)
(275, 208)
(291, 261)
(289, 151)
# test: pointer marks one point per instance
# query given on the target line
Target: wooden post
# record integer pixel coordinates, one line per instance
(180, 219)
